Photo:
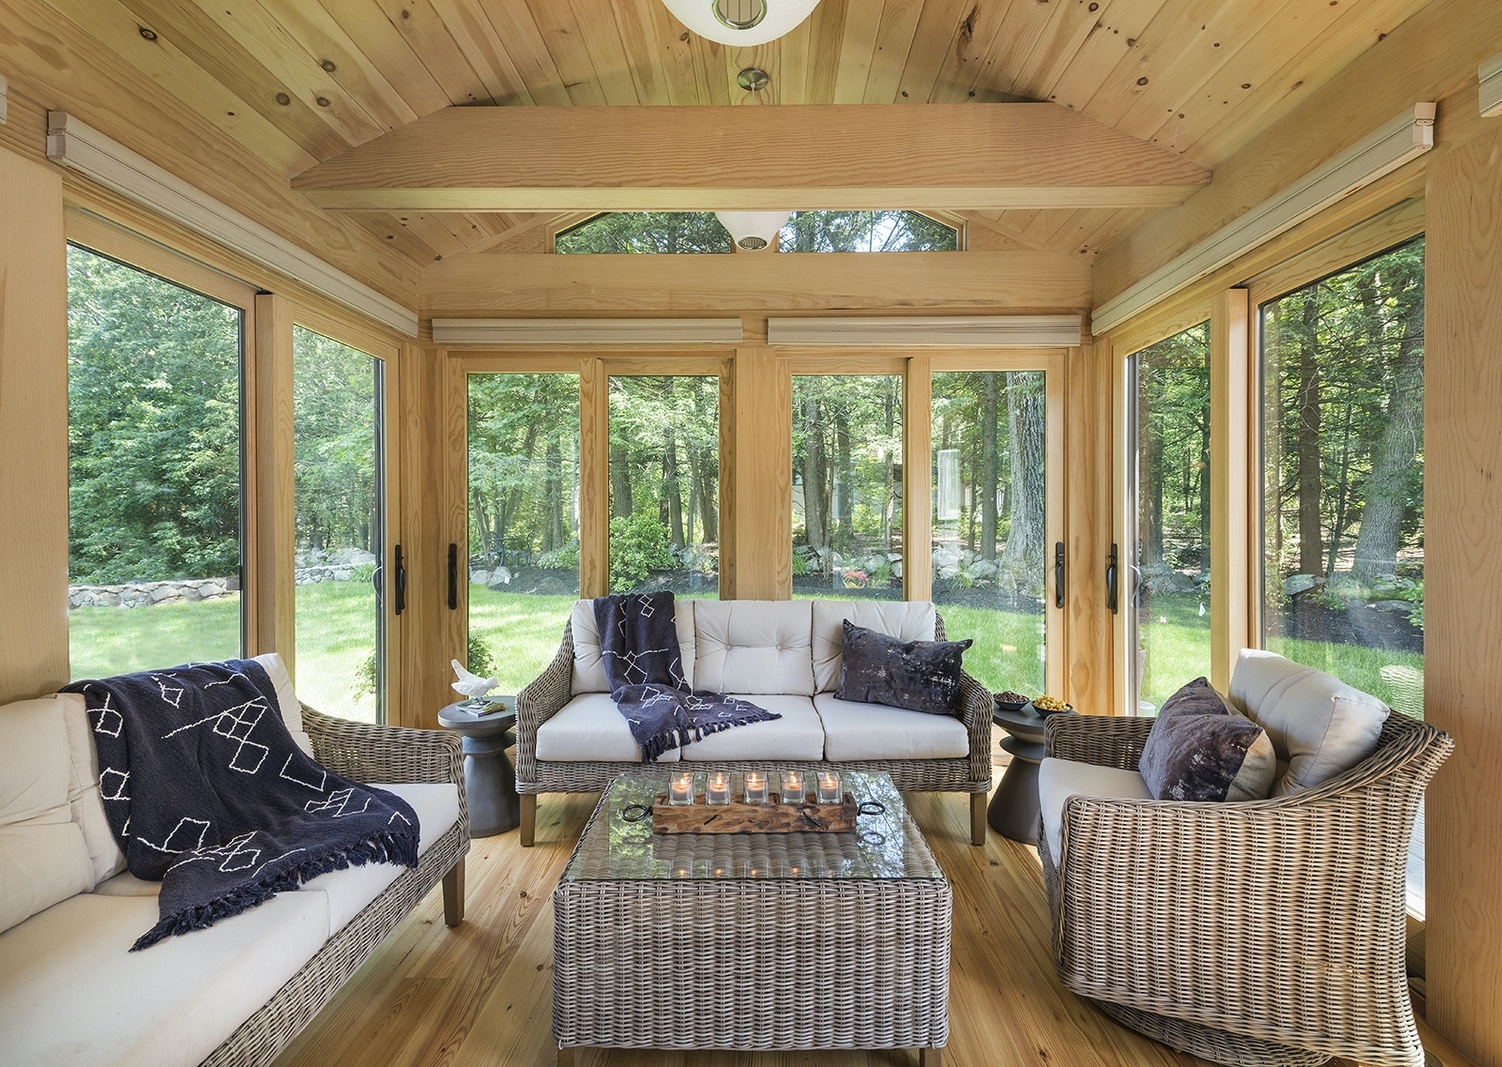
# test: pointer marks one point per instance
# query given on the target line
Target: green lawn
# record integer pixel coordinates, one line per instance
(336, 631)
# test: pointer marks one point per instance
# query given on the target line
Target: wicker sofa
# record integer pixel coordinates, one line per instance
(783, 655)
(236, 993)
(1263, 932)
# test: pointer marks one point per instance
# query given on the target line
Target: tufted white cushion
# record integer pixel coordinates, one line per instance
(43, 857)
(798, 735)
(83, 790)
(859, 731)
(1319, 726)
(911, 620)
(1060, 779)
(590, 727)
(754, 646)
(589, 665)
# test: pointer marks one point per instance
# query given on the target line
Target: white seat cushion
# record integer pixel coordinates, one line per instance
(83, 791)
(1060, 779)
(43, 855)
(857, 731)
(798, 735)
(71, 992)
(589, 665)
(349, 890)
(911, 620)
(1319, 726)
(754, 646)
(590, 727)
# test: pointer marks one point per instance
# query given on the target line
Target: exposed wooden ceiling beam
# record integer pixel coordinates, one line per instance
(943, 156)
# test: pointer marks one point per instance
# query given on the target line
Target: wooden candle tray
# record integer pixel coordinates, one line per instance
(738, 817)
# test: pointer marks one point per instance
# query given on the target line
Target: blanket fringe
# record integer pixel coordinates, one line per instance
(385, 847)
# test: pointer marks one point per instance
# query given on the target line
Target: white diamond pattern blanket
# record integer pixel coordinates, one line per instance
(644, 666)
(206, 792)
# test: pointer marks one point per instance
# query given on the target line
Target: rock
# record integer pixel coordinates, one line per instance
(479, 577)
(499, 578)
(1295, 584)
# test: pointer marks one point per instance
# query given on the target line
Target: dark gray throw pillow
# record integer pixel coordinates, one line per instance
(1201, 749)
(917, 675)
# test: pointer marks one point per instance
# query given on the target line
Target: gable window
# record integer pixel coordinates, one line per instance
(675, 232)
(154, 470)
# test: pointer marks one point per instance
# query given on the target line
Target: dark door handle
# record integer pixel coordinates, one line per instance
(400, 565)
(453, 576)
(1058, 574)
(1111, 579)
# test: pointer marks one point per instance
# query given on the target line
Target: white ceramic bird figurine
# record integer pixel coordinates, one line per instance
(471, 685)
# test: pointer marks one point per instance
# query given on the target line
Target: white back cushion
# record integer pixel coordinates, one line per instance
(754, 646)
(286, 698)
(83, 791)
(589, 666)
(43, 858)
(1319, 726)
(906, 620)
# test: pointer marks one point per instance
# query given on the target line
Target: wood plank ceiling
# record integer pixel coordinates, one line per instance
(297, 82)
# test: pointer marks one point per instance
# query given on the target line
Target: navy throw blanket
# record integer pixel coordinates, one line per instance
(643, 664)
(207, 793)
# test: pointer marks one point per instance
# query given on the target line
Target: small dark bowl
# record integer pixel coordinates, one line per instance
(1043, 713)
(1010, 705)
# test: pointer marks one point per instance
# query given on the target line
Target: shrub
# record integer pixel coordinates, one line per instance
(638, 546)
(481, 661)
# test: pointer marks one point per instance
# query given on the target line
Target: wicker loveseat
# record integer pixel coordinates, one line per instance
(236, 993)
(1268, 932)
(784, 655)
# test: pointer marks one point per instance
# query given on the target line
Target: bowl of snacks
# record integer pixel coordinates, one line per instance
(1009, 701)
(1047, 705)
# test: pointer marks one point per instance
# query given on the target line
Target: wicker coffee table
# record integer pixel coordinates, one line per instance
(751, 941)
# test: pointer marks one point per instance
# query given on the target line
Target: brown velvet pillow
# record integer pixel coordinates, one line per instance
(917, 675)
(1200, 749)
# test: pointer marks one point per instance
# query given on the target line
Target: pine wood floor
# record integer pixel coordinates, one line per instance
(481, 993)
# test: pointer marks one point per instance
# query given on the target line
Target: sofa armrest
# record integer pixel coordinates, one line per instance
(539, 701)
(367, 752)
(975, 712)
(1105, 740)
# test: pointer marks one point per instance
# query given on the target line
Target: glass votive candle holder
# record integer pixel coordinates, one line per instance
(681, 788)
(827, 787)
(792, 787)
(756, 787)
(717, 788)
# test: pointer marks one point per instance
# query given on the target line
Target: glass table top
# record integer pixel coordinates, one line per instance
(885, 845)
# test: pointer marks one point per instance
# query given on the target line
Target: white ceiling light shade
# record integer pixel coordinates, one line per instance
(753, 230)
(741, 22)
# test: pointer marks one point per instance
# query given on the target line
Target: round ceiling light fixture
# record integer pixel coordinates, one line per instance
(753, 230)
(741, 22)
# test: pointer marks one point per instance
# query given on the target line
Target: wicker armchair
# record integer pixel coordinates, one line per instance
(1265, 932)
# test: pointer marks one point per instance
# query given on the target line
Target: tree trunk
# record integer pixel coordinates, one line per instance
(706, 493)
(1389, 488)
(1311, 536)
(843, 489)
(555, 533)
(815, 479)
(1149, 472)
(988, 464)
(672, 492)
(1022, 559)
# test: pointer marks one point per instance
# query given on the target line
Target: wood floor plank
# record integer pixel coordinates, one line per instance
(480, 995)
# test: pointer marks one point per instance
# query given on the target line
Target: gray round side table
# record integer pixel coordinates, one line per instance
(489, 781)
(1014, 810)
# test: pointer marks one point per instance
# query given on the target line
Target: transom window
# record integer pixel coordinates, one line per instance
(674, 232)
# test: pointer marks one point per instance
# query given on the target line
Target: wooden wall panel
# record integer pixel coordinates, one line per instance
(761, 461)
(1463, 593)
(271, 582)
(33, 431)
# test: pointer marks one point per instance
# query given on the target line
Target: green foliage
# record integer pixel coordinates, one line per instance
(153, 427)
(638, 546)
(866, 231)
(662, 232)
(564, 559)
(334, 404)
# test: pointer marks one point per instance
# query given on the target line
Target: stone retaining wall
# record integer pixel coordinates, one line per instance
(146, 594)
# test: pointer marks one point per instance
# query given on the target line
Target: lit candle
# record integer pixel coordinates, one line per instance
(756, 787)
(717, 790)
(829, 787)
(792, 787)
(681, 788)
